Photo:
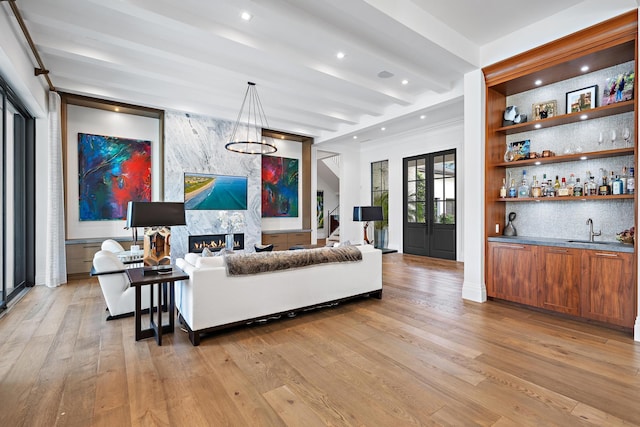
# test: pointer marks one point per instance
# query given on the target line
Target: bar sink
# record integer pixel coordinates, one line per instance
(589, 242)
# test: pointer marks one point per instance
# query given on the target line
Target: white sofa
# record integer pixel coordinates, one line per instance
(211, 300)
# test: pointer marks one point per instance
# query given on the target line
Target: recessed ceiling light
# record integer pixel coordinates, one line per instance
(355, 136)
(538, 82)
(584, 68)
(405, 82)
(422, 117)
(584, 117)
(383, 129)
(583, 158)
(340, 55)
(116, 109)
(538, 126)
(538, 163)
(246, 16)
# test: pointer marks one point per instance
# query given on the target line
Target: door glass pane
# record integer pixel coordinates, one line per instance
(2, 228)
(450, 188)
(411, 170)
(411, 192)
(9, 224)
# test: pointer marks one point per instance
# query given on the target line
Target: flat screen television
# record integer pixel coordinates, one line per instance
(214, 192)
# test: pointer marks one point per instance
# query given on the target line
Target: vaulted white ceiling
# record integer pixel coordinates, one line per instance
(197, 56)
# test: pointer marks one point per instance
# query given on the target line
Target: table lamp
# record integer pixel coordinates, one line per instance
(152, 215)
(367, 214)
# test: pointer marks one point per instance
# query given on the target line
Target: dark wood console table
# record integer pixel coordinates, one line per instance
(138, 279)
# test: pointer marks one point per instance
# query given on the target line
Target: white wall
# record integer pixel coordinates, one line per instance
(421, 141)
(16, 68)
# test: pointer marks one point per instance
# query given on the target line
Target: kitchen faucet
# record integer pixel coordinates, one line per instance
(591, 233)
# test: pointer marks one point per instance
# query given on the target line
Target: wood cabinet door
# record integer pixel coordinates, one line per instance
(512, 272)
(608, 287)
(559, 279)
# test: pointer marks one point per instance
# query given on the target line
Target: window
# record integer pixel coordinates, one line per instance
(380, 197)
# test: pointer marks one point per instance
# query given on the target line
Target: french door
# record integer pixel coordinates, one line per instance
(429, 225)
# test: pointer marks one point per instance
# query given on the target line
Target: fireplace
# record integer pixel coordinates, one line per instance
(214, 242)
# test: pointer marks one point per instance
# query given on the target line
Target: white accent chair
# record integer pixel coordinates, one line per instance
(114, 282)
(112, 246)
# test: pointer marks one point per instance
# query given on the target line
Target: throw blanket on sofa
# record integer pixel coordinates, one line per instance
(240, 264)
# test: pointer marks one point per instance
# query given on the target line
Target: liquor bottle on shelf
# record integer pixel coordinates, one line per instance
(556, 185)
(604, 188)
(523, 190)
(536, 190)
(549, 190)
(577, 189)
(623, 178)
(543, 185)
(616, 186)
(563, 191)
(631, 182)
(503, 189)
(571, 183)
(513, 191)
(592, 187)
(586, 184)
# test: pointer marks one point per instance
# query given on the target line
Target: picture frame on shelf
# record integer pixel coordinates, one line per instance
(520, 149)
(618, 88)
(543, 110)
(582, 99)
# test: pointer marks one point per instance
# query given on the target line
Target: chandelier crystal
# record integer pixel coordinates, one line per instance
(254, 120)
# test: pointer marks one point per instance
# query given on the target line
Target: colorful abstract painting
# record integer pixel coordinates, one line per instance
(111, 172)
(279, 187)
(320, 208)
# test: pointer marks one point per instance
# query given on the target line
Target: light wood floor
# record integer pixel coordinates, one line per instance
(419, 356)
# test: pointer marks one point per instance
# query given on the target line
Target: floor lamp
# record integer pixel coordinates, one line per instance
(367, 214)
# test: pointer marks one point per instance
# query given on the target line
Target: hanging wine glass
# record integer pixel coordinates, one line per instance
(600, 138)
(626, 134)
(613, 136)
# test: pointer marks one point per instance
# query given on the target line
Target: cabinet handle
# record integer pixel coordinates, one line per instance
(603, 254)
(512, 246)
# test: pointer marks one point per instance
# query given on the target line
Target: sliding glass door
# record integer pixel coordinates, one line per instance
(17, 204)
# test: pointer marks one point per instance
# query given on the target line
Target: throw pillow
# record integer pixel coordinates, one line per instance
(206, 252)
(191, 258)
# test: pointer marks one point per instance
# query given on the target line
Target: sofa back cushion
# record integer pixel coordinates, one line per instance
(214, 261)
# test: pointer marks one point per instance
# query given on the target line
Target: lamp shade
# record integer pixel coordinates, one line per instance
(367, 213)
(149, 214)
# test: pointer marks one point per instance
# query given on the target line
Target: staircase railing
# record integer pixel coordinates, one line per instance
(334, 219)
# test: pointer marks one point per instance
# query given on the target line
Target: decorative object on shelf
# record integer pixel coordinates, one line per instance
(618, 88)
(627, 236)
(533, 155)
(548, 153)
(520, 149)
(255, 120)
(508, 154)
(544, 110)
(582, 99)
(512, 116)
(509, 229)
(367, 214)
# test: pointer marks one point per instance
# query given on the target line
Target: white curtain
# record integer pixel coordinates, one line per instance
(56, 264)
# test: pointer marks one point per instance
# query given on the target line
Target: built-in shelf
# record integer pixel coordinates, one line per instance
(568, 157)
(563, 119)
(565, 198)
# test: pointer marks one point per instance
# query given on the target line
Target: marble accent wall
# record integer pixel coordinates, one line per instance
(196, 144)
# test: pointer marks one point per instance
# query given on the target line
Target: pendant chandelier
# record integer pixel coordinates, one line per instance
(255, 120)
